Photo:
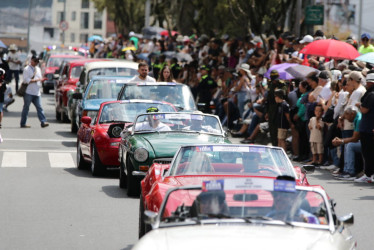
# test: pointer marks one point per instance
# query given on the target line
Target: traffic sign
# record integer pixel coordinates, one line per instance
(64, 25)
(314, 15)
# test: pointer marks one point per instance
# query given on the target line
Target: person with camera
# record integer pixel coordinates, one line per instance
(32, 76)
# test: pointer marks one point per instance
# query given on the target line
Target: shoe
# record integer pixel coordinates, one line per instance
(331, 167)
(336, 172)
(45, 124)
(5, 109)
(247, 141)
(25, 126)
(359, 175)
(316, 164)
(346, 177)
(364, 179)
(237, 134)
(325, 164)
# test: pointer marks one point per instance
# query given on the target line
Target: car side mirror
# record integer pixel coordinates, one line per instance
(347, 219)
(77, 96)
(150, 217)
(86, 120)
(308, 169)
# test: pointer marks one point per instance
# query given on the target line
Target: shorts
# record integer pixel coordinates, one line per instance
(1, 106)
(282, 133)
(316, 148)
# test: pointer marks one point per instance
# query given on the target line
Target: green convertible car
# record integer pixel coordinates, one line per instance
(155, 137)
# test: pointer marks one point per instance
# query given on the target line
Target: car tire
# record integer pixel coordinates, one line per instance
(73, 126)
(81, 163)
(133, 184)
(64, 117)
(122, 176)
(97, 168)
(58, 116)
(141, 217)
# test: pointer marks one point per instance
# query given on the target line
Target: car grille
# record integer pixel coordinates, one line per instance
(162, 160)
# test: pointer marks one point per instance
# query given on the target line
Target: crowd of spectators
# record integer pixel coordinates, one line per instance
(325, 118)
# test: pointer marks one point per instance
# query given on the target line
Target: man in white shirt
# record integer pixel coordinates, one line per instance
(14, 63)
(325, 82)
(153, 122)
(143, 74)
(33, 76)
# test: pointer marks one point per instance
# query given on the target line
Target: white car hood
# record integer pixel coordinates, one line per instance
(246, 236)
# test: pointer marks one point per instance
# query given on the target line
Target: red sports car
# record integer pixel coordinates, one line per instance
(98, 138)
(194, 164)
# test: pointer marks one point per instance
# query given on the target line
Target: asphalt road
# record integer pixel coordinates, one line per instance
(46, 203)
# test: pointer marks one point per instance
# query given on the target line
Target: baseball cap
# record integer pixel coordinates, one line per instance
(307, 39)
(356, 76)
(152, 109)
(370, 77)
(274, 72)
(365, 35)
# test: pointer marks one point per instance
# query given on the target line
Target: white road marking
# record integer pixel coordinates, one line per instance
(61, 160)
(14, 159)
(38, 150)
(45, 140)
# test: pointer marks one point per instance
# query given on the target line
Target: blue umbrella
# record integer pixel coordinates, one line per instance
(95, 37)
(368, 57)
(2, 45)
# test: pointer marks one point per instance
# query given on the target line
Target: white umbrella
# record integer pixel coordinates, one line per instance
(300, 71)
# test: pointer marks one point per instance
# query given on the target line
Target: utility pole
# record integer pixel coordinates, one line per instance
(28, 27)
(64, 19)
(360, 23)
(147, 12)
(298, 17)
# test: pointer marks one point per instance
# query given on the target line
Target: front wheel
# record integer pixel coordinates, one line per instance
(141, 217)
(73, 126)
(81, 164)
(122, 176)
(97, 168)
(133, 184)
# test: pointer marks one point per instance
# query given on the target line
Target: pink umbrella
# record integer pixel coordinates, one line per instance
(166, 33)
(331, 48)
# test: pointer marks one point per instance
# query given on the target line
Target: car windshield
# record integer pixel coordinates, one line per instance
(127, 112)
(56, 61)
(76, 72)
(231, 160)
(179, 95)
(252, 199)
(104, 89)
(113, 71)
(180, 122)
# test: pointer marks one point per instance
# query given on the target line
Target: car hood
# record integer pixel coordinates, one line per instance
(93, 104)
(166, 144)
(50, 70)
(237, 236)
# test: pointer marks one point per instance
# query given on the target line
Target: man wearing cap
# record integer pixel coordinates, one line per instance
(324, 81)
(206, 88)
(367, 129)
(271, 105)
(32, 76)
(14, 64)
(366, 46)
(153, 123)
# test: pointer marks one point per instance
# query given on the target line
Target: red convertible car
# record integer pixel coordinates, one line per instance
(194, 164)
(99, 137)
(67, 83)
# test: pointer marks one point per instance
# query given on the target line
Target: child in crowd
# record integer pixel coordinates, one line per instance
(316, 126)
(283, 118)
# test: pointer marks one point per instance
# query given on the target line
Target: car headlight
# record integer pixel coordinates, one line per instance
(141, 154)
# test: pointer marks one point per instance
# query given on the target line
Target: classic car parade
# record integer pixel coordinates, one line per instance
(176, 93)
(246, 213)
(156, 136)
(99, 137)
(100, 89)
(193, 164)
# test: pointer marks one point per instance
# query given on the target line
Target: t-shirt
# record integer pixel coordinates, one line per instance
(14, 57)
(367, 121)
(147, 79)
(283, 109)
(146, 127)
(316, 135)
(362, 50)
(356, 122)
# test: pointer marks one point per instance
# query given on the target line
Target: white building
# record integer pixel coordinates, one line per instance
(82, 19)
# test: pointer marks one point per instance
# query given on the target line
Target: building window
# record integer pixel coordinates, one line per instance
(60, 17)
(98, 23)
(73, 15)
(72, 37)
(83, 38)
(85, 4)
(84, 20)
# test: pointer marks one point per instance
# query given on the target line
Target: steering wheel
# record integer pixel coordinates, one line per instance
(265, 169)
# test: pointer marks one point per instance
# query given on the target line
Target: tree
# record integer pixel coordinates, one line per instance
(126, 14)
